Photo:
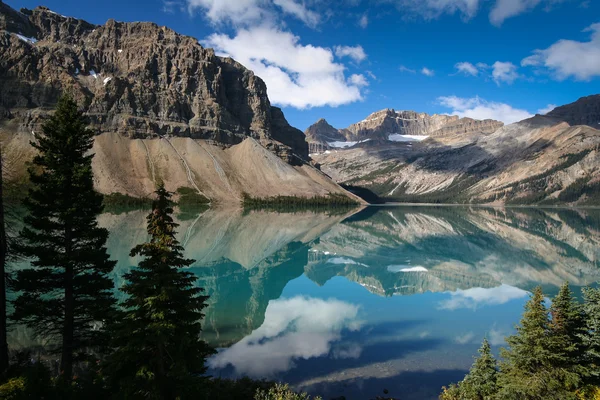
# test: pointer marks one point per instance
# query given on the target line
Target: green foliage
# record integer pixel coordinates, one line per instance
(554, 354)
(190, 197)
(282, 392)
(286, 203)
(567, 330)
(528, 366)
(591, 307)
(158, 351)
(480, 382)
(13, 389)
(66, 293)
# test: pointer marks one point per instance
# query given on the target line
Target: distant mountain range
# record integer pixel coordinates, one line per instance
(410, 157)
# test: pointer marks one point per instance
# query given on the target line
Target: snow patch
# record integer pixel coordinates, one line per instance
(93, 73)
(27, 39)
(343, 145)
(405, 268)
(106, 80)
(396, 137)
(344, 261)
(76, 71)
(120, 50)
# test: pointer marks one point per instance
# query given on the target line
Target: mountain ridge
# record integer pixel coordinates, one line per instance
(164, 109)
(540, 160)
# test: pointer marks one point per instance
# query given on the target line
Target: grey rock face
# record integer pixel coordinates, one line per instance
(381, 124)
(585, 111)
(138, 79)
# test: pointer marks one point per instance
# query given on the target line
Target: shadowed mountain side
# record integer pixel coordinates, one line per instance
(538, 160)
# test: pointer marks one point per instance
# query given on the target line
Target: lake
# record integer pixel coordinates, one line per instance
(352, 303)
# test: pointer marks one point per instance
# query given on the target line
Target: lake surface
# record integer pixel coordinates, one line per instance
(395, 298)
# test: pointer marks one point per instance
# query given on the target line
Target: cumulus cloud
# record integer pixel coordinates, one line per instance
(427, 72)
(478, 108)
(504, 72)
(477, 297)
(248, 12)
(296, 328)
(296, 75)
(570, 58)
(356, 53)
(234, 11)
(299, 11)
(431, 9)
(504, 9)
(467, 68)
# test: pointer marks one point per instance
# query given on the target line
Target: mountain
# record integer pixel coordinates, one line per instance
(163, 107)
(551, 159)
(381, 124)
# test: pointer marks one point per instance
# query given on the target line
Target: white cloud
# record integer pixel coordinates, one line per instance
(249, 12)
(504, 9)
(296, 75)
(358, 80)
(427, 72)
(296, 328)
(357, 53)
(478, 108)
(467, 68)
(431, 9)
(547, 109)
(402, 68)
(234, 11)
(504, 72)
(300, 11)
(363, 22)
(570, 58)
(477, 297)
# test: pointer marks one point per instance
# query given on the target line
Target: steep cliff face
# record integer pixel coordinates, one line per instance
(382, 124)
(137, 79)
(541, 160)
(585, 111)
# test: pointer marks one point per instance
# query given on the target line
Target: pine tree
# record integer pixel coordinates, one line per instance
(591, 307)
(66, 293)
(158, 351)
(528, 367)
(3, 276)
(567, 332)
(480, 382)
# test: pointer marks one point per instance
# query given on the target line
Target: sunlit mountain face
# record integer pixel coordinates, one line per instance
(352, 303)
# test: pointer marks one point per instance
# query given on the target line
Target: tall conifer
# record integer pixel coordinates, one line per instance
(527, 370)
(591, 307)
(66, 294)
(567, 334)
(158, 350)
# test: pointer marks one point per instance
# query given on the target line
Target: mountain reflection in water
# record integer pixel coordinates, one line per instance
(390, 297)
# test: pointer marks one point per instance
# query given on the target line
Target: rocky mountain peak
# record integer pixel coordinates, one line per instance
(585, 111)
(383, 123)
(138, 79)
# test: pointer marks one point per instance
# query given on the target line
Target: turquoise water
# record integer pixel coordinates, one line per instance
(395, 298)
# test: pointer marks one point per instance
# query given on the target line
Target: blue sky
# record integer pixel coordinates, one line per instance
(343, 59)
